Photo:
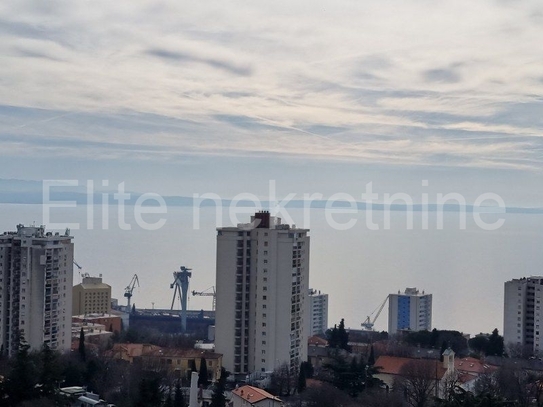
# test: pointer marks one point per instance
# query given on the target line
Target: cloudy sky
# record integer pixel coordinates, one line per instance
(408, 89)
(180, 97)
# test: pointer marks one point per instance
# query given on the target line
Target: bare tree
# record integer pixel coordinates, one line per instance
(419, 381)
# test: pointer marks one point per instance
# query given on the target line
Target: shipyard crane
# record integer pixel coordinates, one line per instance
(129, 289)
(205, 293)
(181, 287)
(369, 323)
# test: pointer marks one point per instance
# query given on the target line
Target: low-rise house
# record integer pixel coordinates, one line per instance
(249, 396)
(182, 360)
(178, 361)
(130, 351)
(461, 371)
(112, 323)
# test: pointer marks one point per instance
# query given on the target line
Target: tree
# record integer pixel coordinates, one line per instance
(418, 381)
(179, 398)
(478, 344)
(301, 379)
(343, 336)
(202, 375)
(495, 344)
(50, 371)
(149, 392)
(371, 358)
(82, 352)
(22, 379)
(218, 399)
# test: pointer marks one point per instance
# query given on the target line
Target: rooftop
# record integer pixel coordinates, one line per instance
(254, 394)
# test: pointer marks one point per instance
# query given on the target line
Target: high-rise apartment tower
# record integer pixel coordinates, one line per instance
(262, 315)
(523, 314)
(409, 311)
(36, 277)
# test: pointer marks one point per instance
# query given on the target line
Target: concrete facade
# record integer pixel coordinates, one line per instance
(318, 312)
(262, 315)
(36, 278)
(409, 311)
(522, 316)
(92, 296)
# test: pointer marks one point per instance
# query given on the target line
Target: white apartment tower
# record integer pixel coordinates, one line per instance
(522, 317)
(36, 274)
(409, 311)
(262, 314)
(318, 317)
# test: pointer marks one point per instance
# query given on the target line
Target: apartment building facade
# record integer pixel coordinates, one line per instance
(523, 322)
(91, 296)
(262, 314)
(36, 278)
(409, 311)
(318, 312)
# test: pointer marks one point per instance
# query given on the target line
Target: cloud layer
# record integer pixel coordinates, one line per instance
(399, 82)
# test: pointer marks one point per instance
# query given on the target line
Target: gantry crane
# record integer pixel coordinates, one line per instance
(205, 293)
(181, 286)
(369, 323)
(129, 289)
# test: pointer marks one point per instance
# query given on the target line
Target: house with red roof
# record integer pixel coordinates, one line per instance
(249, 396)
(464, 371)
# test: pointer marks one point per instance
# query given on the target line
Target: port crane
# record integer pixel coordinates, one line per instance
(205, 293)
(181, 286)
(129, 289)
(369, 323)
(77, 265)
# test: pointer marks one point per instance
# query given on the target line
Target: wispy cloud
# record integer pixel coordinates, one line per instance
(403, 83)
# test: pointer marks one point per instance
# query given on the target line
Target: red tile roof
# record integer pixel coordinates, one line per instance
(318, 341)
(393, 365)
(254, 394)
(472, 365)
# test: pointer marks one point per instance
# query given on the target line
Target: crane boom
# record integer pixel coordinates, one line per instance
(129, 289)
(369, 323)
(208, 294)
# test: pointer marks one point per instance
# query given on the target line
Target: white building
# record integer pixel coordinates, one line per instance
(318, 312)
(262, 315)
(36, 277)
(409, 311)
(522, 315)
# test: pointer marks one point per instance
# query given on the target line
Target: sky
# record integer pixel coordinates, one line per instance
(178, 97)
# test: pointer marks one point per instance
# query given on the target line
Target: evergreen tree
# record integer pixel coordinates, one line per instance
(333, 339)
(371, 358)
(149, 392)
(169, 400)
(343, 336)
(50, 371)
(179, 398)
(495, 344)
(218, 399)
(193, 366)
(133, 308)
(22, 379)
(302, 378)
(202, 375)
(82, 352)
